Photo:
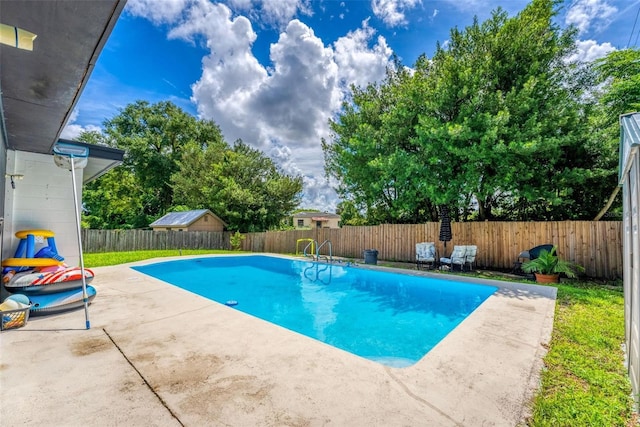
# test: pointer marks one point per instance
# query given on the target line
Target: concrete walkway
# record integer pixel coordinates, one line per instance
(157, 355)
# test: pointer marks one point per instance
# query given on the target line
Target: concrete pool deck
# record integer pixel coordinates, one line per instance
(157, 355)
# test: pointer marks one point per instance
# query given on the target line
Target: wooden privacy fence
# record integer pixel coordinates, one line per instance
(94, 241)
(596, 245)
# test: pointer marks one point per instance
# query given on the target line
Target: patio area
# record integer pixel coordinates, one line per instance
(159, 355)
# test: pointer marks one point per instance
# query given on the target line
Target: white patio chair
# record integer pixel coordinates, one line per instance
(457, 258)
(470, 256)
(426, 254)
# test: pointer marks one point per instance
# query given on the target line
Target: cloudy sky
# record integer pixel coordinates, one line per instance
(273, 72)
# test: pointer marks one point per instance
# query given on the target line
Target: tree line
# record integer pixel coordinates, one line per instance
(175, 162)
(500, 124)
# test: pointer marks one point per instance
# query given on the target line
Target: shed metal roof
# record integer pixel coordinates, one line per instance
(182, 219)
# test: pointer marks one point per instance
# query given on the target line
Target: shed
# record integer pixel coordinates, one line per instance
(629, 180)
(196, 220)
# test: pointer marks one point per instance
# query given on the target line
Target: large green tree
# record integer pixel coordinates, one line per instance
(153, 137)
(494, 126)
(503, 114)
(239, 183)
(175, 161)
(618, 75)
(373, 153)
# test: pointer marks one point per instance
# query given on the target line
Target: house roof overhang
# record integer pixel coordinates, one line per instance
(101, 159)
(40, 88)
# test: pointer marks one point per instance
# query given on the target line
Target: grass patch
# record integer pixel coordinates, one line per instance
(584, 382)
(114, 258)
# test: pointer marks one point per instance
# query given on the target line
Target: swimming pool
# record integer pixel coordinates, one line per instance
(394, 319)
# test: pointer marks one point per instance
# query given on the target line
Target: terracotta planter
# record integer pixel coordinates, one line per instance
(547, 278)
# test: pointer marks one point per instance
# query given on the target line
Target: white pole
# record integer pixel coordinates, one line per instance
(85, 297)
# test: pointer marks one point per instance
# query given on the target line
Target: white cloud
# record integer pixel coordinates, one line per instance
(392, 12)
(590, 50)
(357, 63)
(587, 14)
(282, 109)
(72, 130)
(158, 12)
(272, 12)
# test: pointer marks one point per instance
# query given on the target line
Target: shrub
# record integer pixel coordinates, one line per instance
(236, 240)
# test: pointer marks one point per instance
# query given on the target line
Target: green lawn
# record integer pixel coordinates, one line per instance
(113, 258)
(584, 382)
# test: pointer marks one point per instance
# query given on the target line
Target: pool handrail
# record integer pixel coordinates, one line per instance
(330, 257)
(311, 243)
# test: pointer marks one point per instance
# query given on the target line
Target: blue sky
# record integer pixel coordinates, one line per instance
(273, 72)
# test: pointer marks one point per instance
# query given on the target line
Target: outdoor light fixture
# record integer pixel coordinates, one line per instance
(16, 37)
(13, 177)
(70, 157)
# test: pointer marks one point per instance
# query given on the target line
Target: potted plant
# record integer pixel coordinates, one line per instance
(548, 267)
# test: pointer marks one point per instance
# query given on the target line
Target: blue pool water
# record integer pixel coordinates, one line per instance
(394, 319)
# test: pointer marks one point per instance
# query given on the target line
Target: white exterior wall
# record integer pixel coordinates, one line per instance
(629, 179)
(632, 272)
(42, 199)
(332, 223)
(3, 167)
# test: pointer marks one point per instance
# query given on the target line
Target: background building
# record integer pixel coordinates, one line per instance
(306, 220)
(198, 220)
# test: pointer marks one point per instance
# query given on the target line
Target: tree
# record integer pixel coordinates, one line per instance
(619, 76)
(372, 152)
(153, 137)
(502, 119)
(239, 183)
(494, 124)
(349, 214)
(175, 162)
(112, 200)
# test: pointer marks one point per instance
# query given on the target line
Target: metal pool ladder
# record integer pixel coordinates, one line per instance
(317, 255)
(329, 258)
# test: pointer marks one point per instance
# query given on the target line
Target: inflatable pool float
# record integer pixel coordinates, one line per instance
(46, 280)
(59, 302)
(25, 255)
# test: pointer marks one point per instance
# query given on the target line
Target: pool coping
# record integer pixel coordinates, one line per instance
(251, 372)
